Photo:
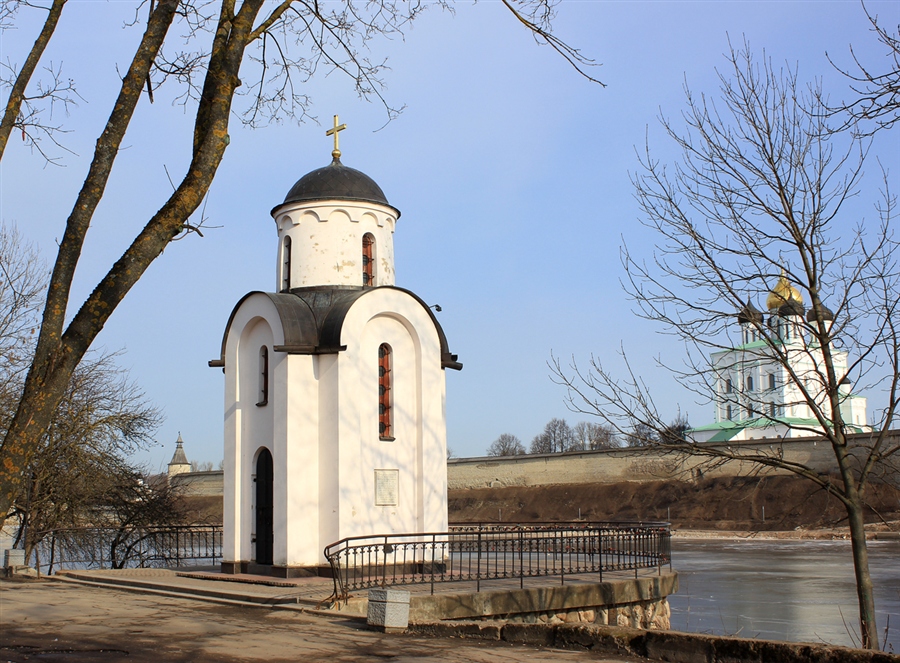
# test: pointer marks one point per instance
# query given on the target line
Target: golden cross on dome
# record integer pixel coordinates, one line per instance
(336, 153)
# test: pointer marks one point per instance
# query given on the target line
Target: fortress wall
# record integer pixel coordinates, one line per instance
(631, 464)
(604, 466)
(204, 484)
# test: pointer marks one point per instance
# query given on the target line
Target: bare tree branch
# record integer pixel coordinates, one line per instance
(12, 115)
(875, 104)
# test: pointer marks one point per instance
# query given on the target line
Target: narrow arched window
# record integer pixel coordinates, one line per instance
(728, 388)
(771, 381)
(385, 379)
(286, 265)
(728, 412)
(368, 262)
(749, 383)
(263, 376)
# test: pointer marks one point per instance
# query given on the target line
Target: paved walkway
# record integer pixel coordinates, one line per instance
(308, 593)
(60, 621)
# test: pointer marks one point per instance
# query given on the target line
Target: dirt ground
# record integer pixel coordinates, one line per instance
(775, 503)
(60, 622)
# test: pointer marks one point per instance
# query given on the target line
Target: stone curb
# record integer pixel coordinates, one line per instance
(671, 646)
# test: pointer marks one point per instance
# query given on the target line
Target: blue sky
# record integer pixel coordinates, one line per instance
(511, 172)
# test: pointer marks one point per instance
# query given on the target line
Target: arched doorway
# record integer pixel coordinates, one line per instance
(264, 518)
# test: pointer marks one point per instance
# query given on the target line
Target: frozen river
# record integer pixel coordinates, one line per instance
(782, 590)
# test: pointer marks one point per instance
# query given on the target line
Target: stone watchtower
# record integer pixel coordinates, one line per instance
(179, 463)
(334, 386)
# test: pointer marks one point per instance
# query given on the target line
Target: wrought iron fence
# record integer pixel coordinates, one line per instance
(482, 552)
(112, 548)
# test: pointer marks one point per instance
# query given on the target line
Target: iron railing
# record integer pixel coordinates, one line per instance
(113, 548)
(477, 553)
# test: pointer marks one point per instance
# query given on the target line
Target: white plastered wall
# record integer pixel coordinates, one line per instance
(298, 416)
(326, 242)
(247, 426)
(321, 425)
(418, 450)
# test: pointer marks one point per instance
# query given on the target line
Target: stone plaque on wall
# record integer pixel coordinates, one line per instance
(387, 487)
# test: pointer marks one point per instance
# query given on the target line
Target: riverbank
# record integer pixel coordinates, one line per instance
(770, 505)
(876, 532)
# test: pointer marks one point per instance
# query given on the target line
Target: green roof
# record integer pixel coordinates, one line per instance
(728, 429)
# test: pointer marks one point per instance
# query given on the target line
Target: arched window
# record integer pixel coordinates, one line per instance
(385, 378)
(749, 383)
(368, 262)
(728, 387)
(771, 380)
(728, 412)
(263, 376)
(286, 265)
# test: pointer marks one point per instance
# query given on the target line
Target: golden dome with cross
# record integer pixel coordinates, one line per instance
(783, 293)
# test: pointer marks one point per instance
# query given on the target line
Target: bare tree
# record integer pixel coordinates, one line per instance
(753, 210)
(101, 418)
(555, 438)
(199, 47)
(676, 432)
(875, 100)
(506, 445)
(133, 509)
(642, 434)
(128, 521)
(21, 295)
(591, 436)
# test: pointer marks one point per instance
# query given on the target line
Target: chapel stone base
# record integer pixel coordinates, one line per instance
(634, 602)
(235, 567)
(276, 571)
(321, 571)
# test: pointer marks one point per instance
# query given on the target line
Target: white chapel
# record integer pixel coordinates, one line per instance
(756, 397)
(334, 386)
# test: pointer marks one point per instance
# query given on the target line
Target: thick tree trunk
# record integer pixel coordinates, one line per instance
(867, 626)
(55, 356)
(57, 353)
(852, 497)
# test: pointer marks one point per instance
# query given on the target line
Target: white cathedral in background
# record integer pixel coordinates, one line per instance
(334, 386)
(755, 397)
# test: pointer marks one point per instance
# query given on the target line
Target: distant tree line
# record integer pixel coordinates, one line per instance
(559, 437)
(206, 466)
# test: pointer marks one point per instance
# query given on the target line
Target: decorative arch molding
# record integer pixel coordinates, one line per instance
(340, 215)
(356, 210)
(312, 320)
(370, 218)
(310, 216)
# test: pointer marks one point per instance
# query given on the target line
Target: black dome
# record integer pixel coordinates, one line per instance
(336, 182)
(749, 314)
(793, 307)
(827, 315)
